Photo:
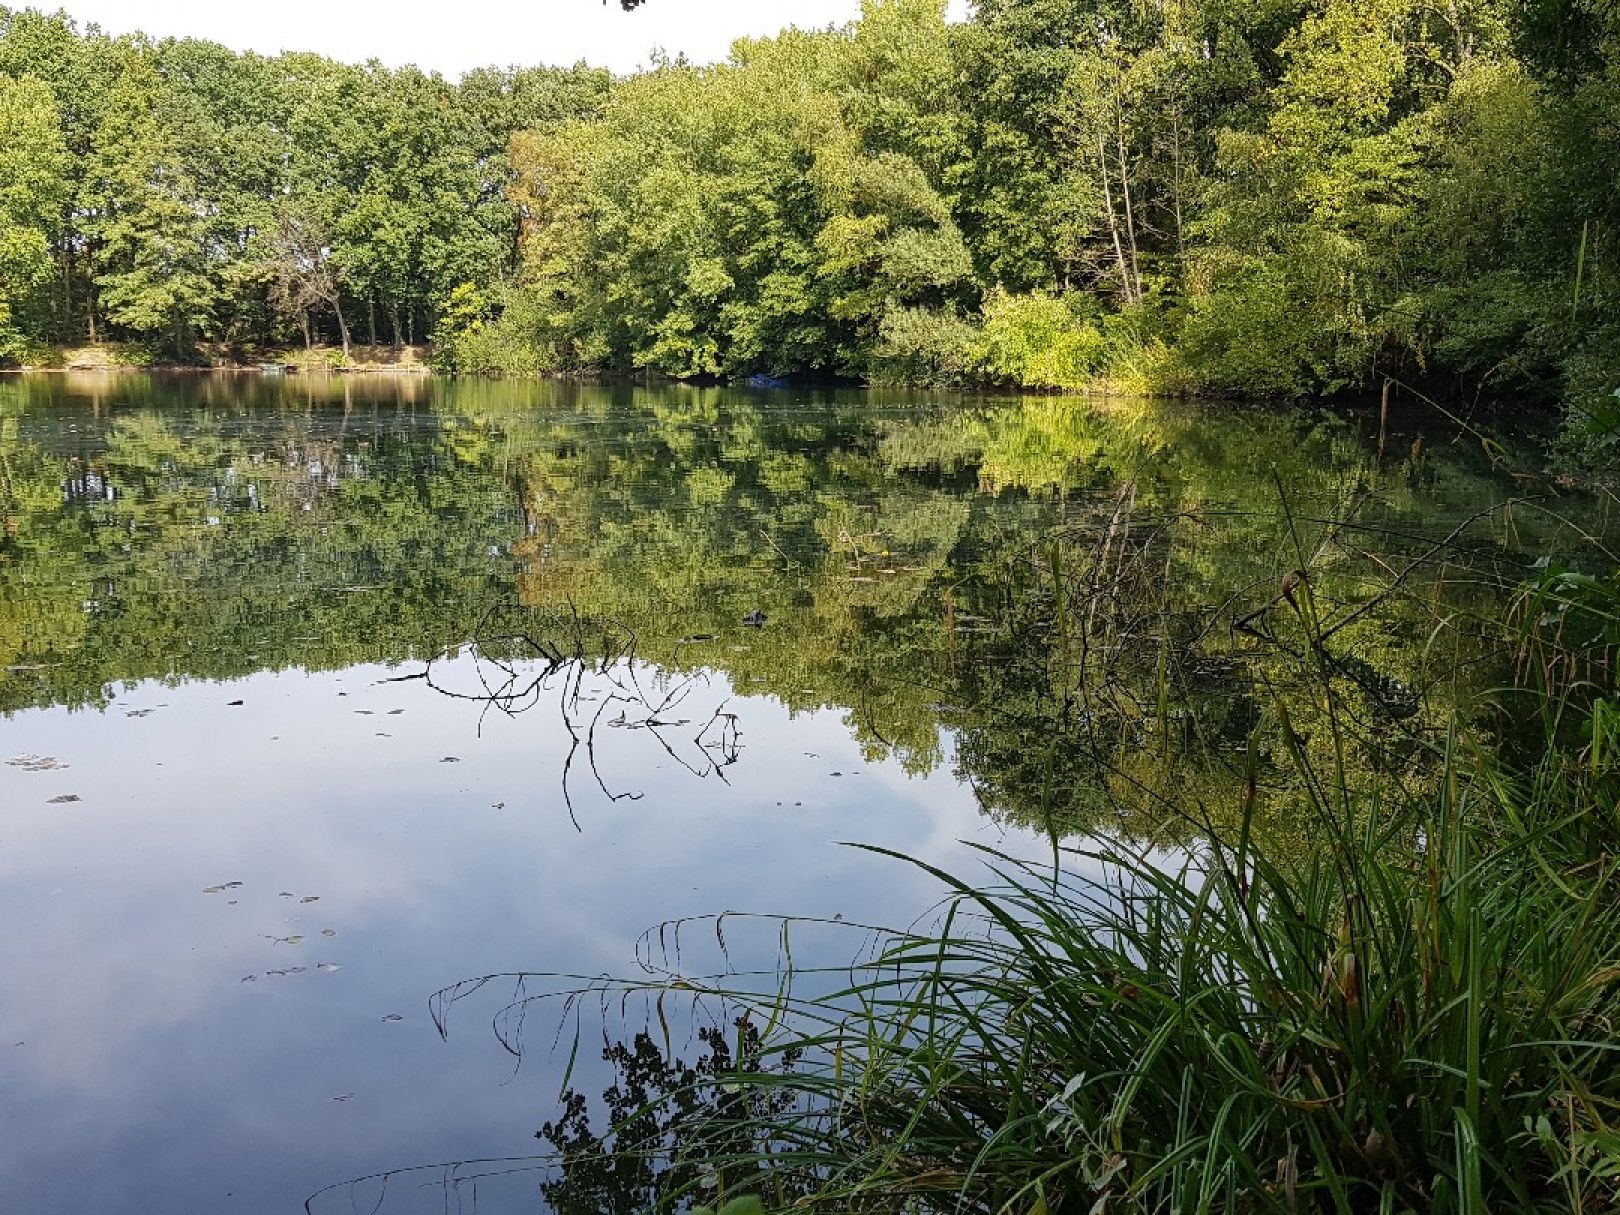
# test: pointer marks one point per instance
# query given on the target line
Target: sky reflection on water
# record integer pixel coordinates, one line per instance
(143, 1073)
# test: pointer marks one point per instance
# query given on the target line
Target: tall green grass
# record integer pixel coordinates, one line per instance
(1419, 1019)
(1416, 1014)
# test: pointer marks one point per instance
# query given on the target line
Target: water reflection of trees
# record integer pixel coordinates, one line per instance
(1084, 601)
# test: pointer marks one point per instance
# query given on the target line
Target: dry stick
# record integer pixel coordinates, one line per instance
(1383, 418)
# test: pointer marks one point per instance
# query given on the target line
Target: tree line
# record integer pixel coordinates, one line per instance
(174, 191)
(1225, 196)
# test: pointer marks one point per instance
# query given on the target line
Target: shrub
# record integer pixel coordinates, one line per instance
(502, 333)
(1285, 325)
(1039, 341)
(928, 347)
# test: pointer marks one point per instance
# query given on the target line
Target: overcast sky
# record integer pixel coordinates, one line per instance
(451, 36)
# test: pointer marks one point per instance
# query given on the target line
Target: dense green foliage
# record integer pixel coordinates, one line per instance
(1238, 197)
(1235, 196)
(173, 191)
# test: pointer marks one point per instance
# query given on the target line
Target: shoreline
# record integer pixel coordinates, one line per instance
(423, 370)
(124, 357)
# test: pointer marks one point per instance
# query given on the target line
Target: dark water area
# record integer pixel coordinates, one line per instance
(321, 695)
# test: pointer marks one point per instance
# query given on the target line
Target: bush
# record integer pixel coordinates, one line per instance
(1592, 390)
(1039, 341)
(1283, 326)
(927, 347)
(502, 333)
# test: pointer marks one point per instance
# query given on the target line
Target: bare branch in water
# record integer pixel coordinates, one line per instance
(585, 661)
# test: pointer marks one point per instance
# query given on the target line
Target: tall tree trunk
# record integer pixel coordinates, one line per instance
(1126, 283)
(1125, 192)
(90, 292)
(371, 319)
(303, 323)
(343, 325)
(64, 325)
(1181, 236)
(393, 322)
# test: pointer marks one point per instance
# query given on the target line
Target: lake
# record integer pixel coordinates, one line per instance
(321, 695)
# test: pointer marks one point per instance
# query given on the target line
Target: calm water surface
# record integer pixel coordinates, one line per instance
(677, 645)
